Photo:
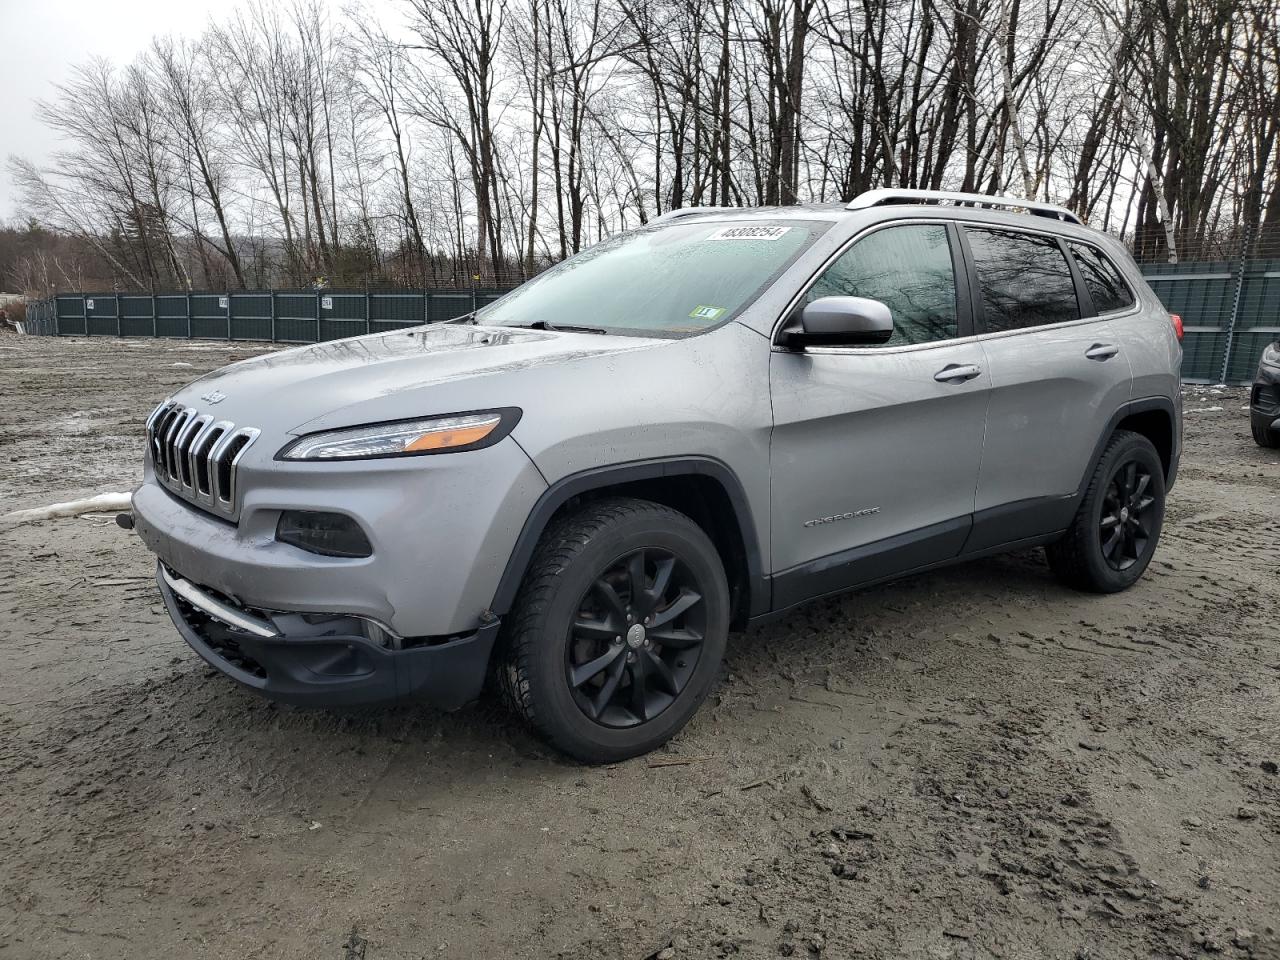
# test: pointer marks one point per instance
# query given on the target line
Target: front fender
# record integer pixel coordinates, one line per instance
(604, 478)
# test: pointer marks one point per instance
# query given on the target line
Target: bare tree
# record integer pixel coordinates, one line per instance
(487, 138)
(462, 39)
(183, 78)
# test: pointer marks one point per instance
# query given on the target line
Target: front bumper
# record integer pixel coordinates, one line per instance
(336, 661)
(441, 528)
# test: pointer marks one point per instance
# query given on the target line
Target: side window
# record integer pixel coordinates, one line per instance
(1024, 279)
(908, 268)
(1102, 279)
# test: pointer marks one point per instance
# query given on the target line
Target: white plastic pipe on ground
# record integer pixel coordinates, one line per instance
(102, 503)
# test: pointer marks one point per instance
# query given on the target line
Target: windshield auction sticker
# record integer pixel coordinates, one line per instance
(750, 233)
(703, 312)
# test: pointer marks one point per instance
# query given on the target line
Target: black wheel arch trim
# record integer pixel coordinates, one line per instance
(599, 478)
(1143, 405)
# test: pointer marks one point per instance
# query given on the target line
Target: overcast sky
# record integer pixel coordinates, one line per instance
(41, 40)
(44, 39)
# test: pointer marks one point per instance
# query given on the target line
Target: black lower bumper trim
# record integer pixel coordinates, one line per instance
(338, 671)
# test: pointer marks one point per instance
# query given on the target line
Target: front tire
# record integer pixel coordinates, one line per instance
(1263, 435)
(618, 630)
(1115, 531)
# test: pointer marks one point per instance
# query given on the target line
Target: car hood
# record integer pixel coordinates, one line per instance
(420, 371)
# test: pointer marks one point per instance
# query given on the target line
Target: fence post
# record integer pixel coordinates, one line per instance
(155, 311)
(317, 316)
(273, 317)
(367, 295)
(119, 329)
(228, 316)
(84, 311)
(1229, 340)
(188, 314)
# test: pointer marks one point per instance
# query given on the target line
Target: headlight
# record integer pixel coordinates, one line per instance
(448, 434)
(1271, 354)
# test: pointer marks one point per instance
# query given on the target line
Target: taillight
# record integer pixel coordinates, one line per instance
(1177, 325)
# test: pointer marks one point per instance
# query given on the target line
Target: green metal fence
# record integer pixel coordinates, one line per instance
(281, 316)
(1230, 309)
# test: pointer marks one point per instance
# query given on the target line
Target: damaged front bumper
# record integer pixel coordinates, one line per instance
(325, 660)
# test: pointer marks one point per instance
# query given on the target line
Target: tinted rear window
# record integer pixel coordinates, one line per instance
(1102, 279)
(1024, 280)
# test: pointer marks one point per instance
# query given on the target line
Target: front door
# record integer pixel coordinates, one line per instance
(875, 450)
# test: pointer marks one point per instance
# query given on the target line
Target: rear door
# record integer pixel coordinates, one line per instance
(1058, 372)
(875, 449)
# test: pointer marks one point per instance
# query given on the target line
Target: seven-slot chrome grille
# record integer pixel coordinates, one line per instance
(196, 456)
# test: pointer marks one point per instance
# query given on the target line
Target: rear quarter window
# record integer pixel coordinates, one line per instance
(1102, 278)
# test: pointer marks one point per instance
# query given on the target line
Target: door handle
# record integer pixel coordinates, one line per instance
(1102, 351)
(957, 373)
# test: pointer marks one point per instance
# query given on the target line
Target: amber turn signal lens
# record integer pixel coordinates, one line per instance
(447, 439)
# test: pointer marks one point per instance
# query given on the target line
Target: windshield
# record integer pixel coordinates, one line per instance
(670, 280)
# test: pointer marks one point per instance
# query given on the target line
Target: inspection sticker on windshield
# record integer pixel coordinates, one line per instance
(750, 233)
(701, 312)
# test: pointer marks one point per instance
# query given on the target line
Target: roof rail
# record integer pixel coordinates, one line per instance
(679, 212)
(877, 198)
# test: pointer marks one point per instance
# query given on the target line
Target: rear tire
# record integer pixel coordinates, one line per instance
(1263, 435)
(1115, 531)
(618, 630)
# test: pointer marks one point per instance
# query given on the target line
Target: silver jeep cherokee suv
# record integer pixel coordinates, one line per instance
(682, 430)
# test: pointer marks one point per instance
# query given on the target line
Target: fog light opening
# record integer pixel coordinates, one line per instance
(328, 534)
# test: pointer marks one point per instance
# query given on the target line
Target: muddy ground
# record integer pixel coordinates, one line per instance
(973, 763)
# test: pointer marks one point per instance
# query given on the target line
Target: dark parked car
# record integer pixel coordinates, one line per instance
(1264, 399)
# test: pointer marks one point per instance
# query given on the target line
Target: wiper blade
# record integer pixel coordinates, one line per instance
(559, 327)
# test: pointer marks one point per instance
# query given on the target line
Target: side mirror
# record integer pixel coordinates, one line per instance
(841, 321)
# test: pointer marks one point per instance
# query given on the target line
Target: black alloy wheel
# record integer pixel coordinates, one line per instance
(636, 638)
(618, 631)
(1122, 531)
(1116, 528)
